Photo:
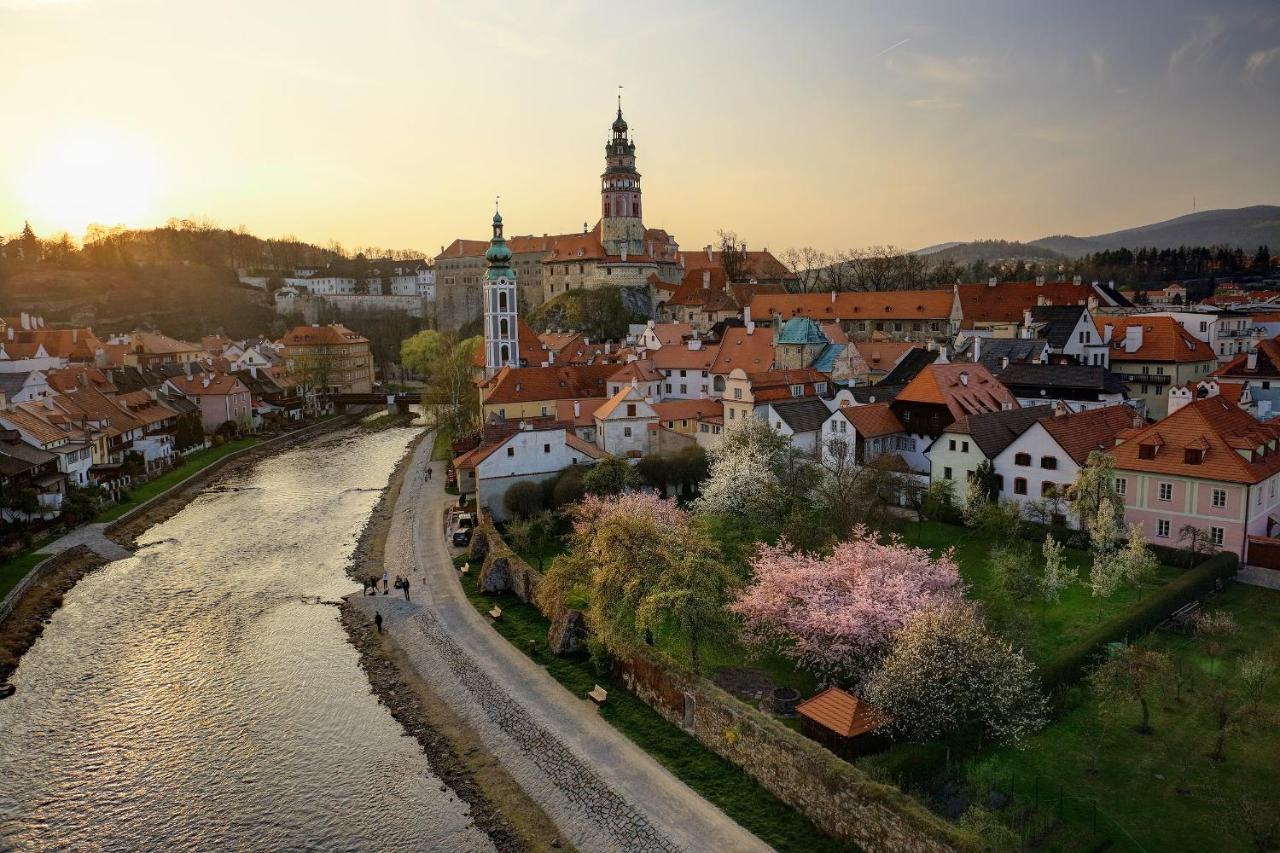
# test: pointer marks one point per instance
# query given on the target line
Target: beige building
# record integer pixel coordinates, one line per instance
(329, 358)
(1150, 353)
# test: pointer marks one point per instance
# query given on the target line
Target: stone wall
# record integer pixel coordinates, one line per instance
(837, 796)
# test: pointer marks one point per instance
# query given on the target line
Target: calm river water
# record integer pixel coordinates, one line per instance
(199, 696)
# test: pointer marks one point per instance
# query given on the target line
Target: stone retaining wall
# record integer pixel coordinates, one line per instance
(838, 797)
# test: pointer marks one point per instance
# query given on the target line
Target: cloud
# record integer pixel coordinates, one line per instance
(1201, 42)
(937, 102)
(961, 71)
(1260, 59)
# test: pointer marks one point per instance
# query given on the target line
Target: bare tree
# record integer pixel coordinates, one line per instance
(733, 256)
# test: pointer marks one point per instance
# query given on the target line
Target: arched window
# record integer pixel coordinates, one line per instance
(718, 383)
(502, 301)
(504, 354)
(503, 328)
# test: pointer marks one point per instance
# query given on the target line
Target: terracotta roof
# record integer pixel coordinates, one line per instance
(672, 334)
(333, 334)
(946, 384)
(1093, 429)
(558, 382)
(586, 411)
(770, 385)
(1163, 339)
(75, 376)
(641, 370)
(72, 344)
(761, 265)
(1212, 422)
(581, 446)
(883, 355)
(624, 395)
(872, 421)
(93, 404)
(155, 343)
(533, 352)
(1267, 365)
(705, 288)
(683, 358)
(882, 305)
(220, 384)
(842, 713)
(678, 410)
(752, 352)
(33, 424)
(142, 406)
(1004, 303)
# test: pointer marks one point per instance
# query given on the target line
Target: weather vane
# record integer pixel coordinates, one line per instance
(619, 99)
(496, 199)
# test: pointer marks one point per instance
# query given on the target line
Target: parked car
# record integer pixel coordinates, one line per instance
(462, 537)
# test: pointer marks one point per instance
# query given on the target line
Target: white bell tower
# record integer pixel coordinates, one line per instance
(501, 335)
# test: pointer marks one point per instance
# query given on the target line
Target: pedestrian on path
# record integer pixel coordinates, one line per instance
(404, 584)
(428, 473)
(377, 620)
(384, 581)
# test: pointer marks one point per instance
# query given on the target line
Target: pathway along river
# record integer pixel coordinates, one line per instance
(201, 694)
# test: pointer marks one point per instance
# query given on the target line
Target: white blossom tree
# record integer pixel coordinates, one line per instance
(1106, 573)
(1058, 575)
(946, 673)
(742, 478)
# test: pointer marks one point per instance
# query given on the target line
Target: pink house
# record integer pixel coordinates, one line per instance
(220, 396)
(1209, 464)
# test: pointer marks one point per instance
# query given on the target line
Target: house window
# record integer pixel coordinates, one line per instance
(964, 447)
(1146, 451)
(1023, 459)
(1166, 491)
(1193, 457)
(951, 444)
(737, 392)
(1019, 486)
(946, 473)
(797, 390)
(999, 482)
(819, 387)
(1162, 528)
(1219, 497)
(1045, 488)
(546, 448)
(1122, 485)
(684, 389)
(1216, 535)
(1049, 463)
(631, 410)
(544, 411)
(626, 432)
(511, 451)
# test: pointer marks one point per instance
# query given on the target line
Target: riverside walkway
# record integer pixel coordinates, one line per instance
(601, 790)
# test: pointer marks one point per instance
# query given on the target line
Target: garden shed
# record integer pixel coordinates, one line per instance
(843, 723)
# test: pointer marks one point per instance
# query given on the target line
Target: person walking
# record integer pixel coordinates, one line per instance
(377, 620)
(428, 473)
(384, 581)
(404, 584)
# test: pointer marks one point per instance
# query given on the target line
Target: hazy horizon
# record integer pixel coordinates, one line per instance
(396, 124)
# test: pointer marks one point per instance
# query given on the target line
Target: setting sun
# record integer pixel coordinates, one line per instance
(91, 175)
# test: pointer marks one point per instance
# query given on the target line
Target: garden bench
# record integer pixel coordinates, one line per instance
(495, 613)
(1184, 616)
(466, 568)
(598, 694)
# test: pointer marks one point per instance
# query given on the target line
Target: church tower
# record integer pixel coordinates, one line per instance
(621, 228)
(501, 336)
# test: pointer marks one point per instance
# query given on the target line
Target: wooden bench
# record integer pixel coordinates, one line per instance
(466, 568)
(495, 613)
(598, 695)
(1183, 619)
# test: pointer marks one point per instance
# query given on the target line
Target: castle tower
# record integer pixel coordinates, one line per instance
(621, 228)
(501, 336)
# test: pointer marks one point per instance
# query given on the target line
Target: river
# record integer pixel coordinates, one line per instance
(201, 694)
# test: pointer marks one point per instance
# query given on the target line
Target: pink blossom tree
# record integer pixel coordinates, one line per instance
(835, 615)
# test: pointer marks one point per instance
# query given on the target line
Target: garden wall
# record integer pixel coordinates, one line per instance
(838, 797)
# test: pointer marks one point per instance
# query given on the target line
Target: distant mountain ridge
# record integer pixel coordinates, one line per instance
(1245, 227)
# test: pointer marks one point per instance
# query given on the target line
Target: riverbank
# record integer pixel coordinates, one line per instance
(26, 622)
(499, 806)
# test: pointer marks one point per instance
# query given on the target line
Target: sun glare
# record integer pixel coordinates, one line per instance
(91, 175)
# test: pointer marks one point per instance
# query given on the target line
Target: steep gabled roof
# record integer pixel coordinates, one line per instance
(1055, 323)
(1059, 377)
(1266, 367)
(873, 421)
(750, 350)
(994, 431)
(558, 382)
(1229, 433)
(1079, 433)
(909, 366)
(965, 389)
(878, 305)
(802, 414)
(1163, 339)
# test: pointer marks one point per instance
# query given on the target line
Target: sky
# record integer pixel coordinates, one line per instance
(395, 123)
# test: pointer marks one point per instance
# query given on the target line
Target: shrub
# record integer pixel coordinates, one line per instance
(523, 499)
(1139, 618)
(568, 487)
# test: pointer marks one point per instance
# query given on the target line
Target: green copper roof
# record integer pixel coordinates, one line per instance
(801, 330)
(498, 254)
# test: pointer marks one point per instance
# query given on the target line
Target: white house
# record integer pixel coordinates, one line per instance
(871, 430)
(22, 387)
(1069, 330)
(801, 420)
(1043, 461)
(964, 445)
(622, 424)
(1228, 333)
(75, 456)
(527, 454)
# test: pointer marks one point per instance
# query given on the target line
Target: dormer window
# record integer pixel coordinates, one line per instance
(1193, 456)
(797, 390)
(1147, 451)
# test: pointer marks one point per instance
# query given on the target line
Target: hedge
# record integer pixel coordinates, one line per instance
(1139, 618)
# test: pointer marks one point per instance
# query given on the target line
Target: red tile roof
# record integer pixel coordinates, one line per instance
(761, 265)
(1218, 427)
(678, 410)
(883, 305)
(842, 713)
(330, 335)
(534, 384)
(1267, 365)
(1094, 429)
(220, 385)
(1005, 303)
(683, 358)
(873, 421)
(752, 352)
(965, 389)
(1163, 339)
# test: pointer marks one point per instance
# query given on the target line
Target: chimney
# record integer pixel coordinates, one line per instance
(25, 319)
(75, 335)
(833, 297)
(577, 410)
(1004, 361)
(977, 349)
(1251, 360)
(1179, 397)
(1107, 332)
(964, 377)
(1039, 281)
(991, 282)
(1026, 318)
(551, 357)
(942, 354)
(1133, 337)
(746, 315)
(1092, 304)
(100, 357)
(710, 257)
(706, 279)
(1077, 280)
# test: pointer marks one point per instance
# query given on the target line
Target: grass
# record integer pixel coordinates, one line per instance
(440, 449)
(16, 568)
(1043, 630)
(722, 783)
(194, 463)
(1159, 791)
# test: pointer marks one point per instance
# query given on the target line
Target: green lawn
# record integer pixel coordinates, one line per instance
(194, 463)
(1043, 630)
(734, 792)
(16, 568)
(440, 449)
(1160, 791)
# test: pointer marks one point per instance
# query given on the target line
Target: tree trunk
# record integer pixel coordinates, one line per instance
(1146, 715)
